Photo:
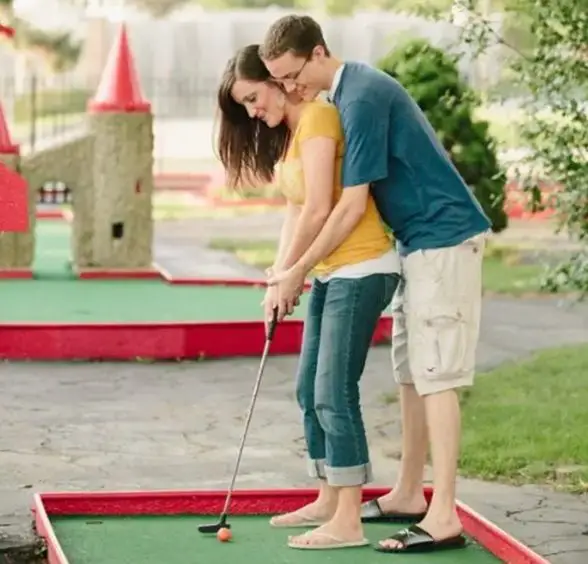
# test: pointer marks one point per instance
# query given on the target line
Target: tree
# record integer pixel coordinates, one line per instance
(554, 73)
(423, 7)
(160, 8)
(5, 10)
(431, 76)
(58, 50)
(255, 4)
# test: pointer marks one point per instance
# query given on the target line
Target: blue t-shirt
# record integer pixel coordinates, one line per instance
(390, 144)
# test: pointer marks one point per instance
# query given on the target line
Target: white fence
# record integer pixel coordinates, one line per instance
(179, 60)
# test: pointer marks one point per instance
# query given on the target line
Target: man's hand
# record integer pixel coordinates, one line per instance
(290, 285)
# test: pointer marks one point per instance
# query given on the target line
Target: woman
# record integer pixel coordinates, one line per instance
(262, 128)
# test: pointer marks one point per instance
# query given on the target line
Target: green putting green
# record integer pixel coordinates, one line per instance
(176, 540)
(53, 250)
(55, 295)
(89, 301)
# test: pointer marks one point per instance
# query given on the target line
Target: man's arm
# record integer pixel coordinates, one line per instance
(345, 216)
(365, 161)
(318, 156)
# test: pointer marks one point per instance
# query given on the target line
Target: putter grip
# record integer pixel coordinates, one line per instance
(272, 326)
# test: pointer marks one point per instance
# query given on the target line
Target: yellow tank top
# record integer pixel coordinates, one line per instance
(369, 239)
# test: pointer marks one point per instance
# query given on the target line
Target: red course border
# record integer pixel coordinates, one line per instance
(494, 539)
(155, 340)
(158, 340)
(152, 341)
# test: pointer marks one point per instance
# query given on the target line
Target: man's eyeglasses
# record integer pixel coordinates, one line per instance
(293, 77)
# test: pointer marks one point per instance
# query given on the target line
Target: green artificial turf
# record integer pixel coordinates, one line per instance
(52, 250)
(89, 301)
(176, 540)
(56, 295)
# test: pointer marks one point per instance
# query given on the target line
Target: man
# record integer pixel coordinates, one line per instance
(392, 151)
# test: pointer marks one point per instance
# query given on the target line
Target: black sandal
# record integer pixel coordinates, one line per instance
(415, 539)
(371, 512)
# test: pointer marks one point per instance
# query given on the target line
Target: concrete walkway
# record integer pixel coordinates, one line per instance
(116, 426)
(181, 246)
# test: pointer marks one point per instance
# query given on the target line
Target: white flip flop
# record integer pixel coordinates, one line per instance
(336, 544)
(302, 523)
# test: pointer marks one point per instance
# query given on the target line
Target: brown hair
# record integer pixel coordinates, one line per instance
(297, 34)
(248, 149)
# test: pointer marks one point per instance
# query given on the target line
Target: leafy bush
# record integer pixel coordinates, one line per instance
(431, 76)
(554, 71)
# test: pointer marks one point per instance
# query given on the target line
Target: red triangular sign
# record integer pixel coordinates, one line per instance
(14, 201)
(7, 147)
(7, 31)
(119, 89)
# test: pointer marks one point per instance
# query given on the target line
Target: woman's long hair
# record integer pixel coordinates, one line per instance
(247, 148)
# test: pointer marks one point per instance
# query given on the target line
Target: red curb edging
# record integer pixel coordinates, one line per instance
(16, 274)
(153, 341)
(245, 502)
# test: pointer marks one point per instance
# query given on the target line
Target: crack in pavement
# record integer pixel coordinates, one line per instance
(536, 505)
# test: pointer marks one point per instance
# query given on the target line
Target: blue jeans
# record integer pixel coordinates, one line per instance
(338, 330)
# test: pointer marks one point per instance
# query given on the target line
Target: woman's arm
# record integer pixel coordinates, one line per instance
(318, 137)
(270, 300)
(288, 227)
(318, 163)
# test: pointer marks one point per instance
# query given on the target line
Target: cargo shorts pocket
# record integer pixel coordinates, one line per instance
(437, 342)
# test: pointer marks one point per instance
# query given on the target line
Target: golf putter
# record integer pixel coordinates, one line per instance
(222, 522)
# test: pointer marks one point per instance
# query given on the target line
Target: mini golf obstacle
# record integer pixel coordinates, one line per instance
(57, 316)
(162, 527)
(52, 315)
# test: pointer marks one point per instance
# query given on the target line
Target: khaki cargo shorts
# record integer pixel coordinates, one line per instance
(436, 312)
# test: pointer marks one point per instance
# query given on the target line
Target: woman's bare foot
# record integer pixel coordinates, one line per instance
(311, 515)
(333, 534)
(405, 503)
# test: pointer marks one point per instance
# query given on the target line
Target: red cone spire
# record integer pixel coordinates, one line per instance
(7, 31)
(7, 147)
(119, 89)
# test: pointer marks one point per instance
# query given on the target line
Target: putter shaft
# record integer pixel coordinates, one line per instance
(246, 429)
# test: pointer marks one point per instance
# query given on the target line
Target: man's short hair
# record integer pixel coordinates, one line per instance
(296, 34)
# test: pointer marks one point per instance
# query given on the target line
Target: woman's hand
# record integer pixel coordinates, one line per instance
(289, 285)
(269, 303)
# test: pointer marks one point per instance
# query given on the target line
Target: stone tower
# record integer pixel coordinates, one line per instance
(121, 124)
(16, 248)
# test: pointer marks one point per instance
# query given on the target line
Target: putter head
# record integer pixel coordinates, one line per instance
(213, 528)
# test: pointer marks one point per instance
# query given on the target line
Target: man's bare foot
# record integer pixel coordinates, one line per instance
(439, 529)
(333, 534)
(311, 515)
(398, 502)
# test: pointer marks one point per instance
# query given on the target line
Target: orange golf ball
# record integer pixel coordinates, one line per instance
(224, 535)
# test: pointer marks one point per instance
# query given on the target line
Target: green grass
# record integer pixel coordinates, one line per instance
(260, 254)
(505, 124)
(46, 125)
(500, 276)
(502, 272)
(50, 102)
(171, 211)
(527, 422)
